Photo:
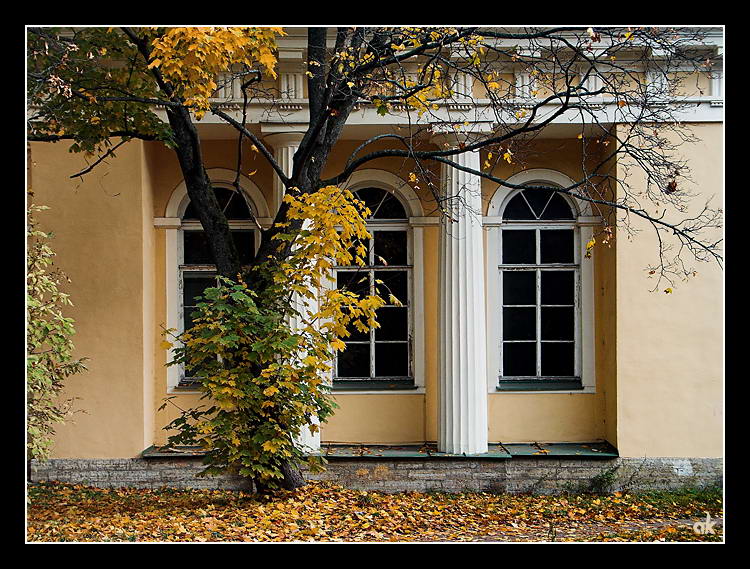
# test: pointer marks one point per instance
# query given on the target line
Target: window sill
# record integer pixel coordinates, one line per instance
(381, 386)
(572, 385)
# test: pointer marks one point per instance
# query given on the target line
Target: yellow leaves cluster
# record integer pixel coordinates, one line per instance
(590, 246)
(190, 58)
(333, 234)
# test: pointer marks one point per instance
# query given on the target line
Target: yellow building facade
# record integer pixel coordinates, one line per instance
(650, 365)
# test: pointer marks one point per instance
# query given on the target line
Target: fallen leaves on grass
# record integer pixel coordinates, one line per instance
(325, 512)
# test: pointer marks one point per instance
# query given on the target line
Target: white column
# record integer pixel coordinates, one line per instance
(462, 392)
(285, 145)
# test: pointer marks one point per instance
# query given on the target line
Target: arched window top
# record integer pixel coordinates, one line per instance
(536, 205)
(382, 203)
(500, 204)
(234, 205)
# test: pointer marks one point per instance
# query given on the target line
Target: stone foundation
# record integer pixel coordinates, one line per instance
(542, 475)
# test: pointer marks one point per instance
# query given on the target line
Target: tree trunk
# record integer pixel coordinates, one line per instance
(292, 480)
(215, 224)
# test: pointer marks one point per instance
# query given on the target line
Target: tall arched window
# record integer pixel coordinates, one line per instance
(382, 357)
(196, 268)
(540, 287)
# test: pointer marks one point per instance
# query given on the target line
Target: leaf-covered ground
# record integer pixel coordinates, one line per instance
(324, 512)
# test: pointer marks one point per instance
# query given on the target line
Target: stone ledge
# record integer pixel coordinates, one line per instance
(517, 475)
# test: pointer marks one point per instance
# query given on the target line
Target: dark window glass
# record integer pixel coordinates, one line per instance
(557, 208)
(231, 203)
(519, 358)
(353, 251)
(355, 334)
(557, 359)
(557, 323)
(196, 248)
(558, 287)
(354, 361)
(395, 283)
(556, 246)
(357, 282)
(394, 323)
(519, 287)
(519, 323)
(382, 204)
(519, 247)
(538, 200)
(244, 240)
(234, 205)
(518, 209)
(192, 287)
(390, 247)
(391, 360)
(197, 251)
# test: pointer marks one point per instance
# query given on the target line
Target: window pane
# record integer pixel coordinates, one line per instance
(519, 323)
(517, 209)
(232, 203)
(390, 208)
(557, 323)
(365, 257)
(556, 246)
(354, 361)
(557, 359)
(382, 204)
(519, 287)
(558, 287)
(193, 286)
(394, 324)
(354, 333)
(538, 200)
(557, 208)
(391, 246)
(357, 282)
(519, 247)
(395, 283)
(391, 360)
(196, 249)
(244, 240)
(519, 359)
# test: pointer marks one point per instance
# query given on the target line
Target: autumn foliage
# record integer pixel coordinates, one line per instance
(321, 512)
(262, 358)
(49, 343)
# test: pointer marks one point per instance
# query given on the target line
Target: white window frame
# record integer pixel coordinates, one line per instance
(173, 227)
(195, 225)
(584, 226)
(382, 225)
(376, 178)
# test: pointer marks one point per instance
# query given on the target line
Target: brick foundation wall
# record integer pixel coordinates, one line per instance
(516, 475)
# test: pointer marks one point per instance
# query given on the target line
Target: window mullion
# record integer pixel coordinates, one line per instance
(538, 304)
(371, 276)
(538, 322)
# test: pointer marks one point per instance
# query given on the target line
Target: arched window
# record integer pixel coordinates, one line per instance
(540, 276)
(380, 358)
(540, 287)
(197, 270)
